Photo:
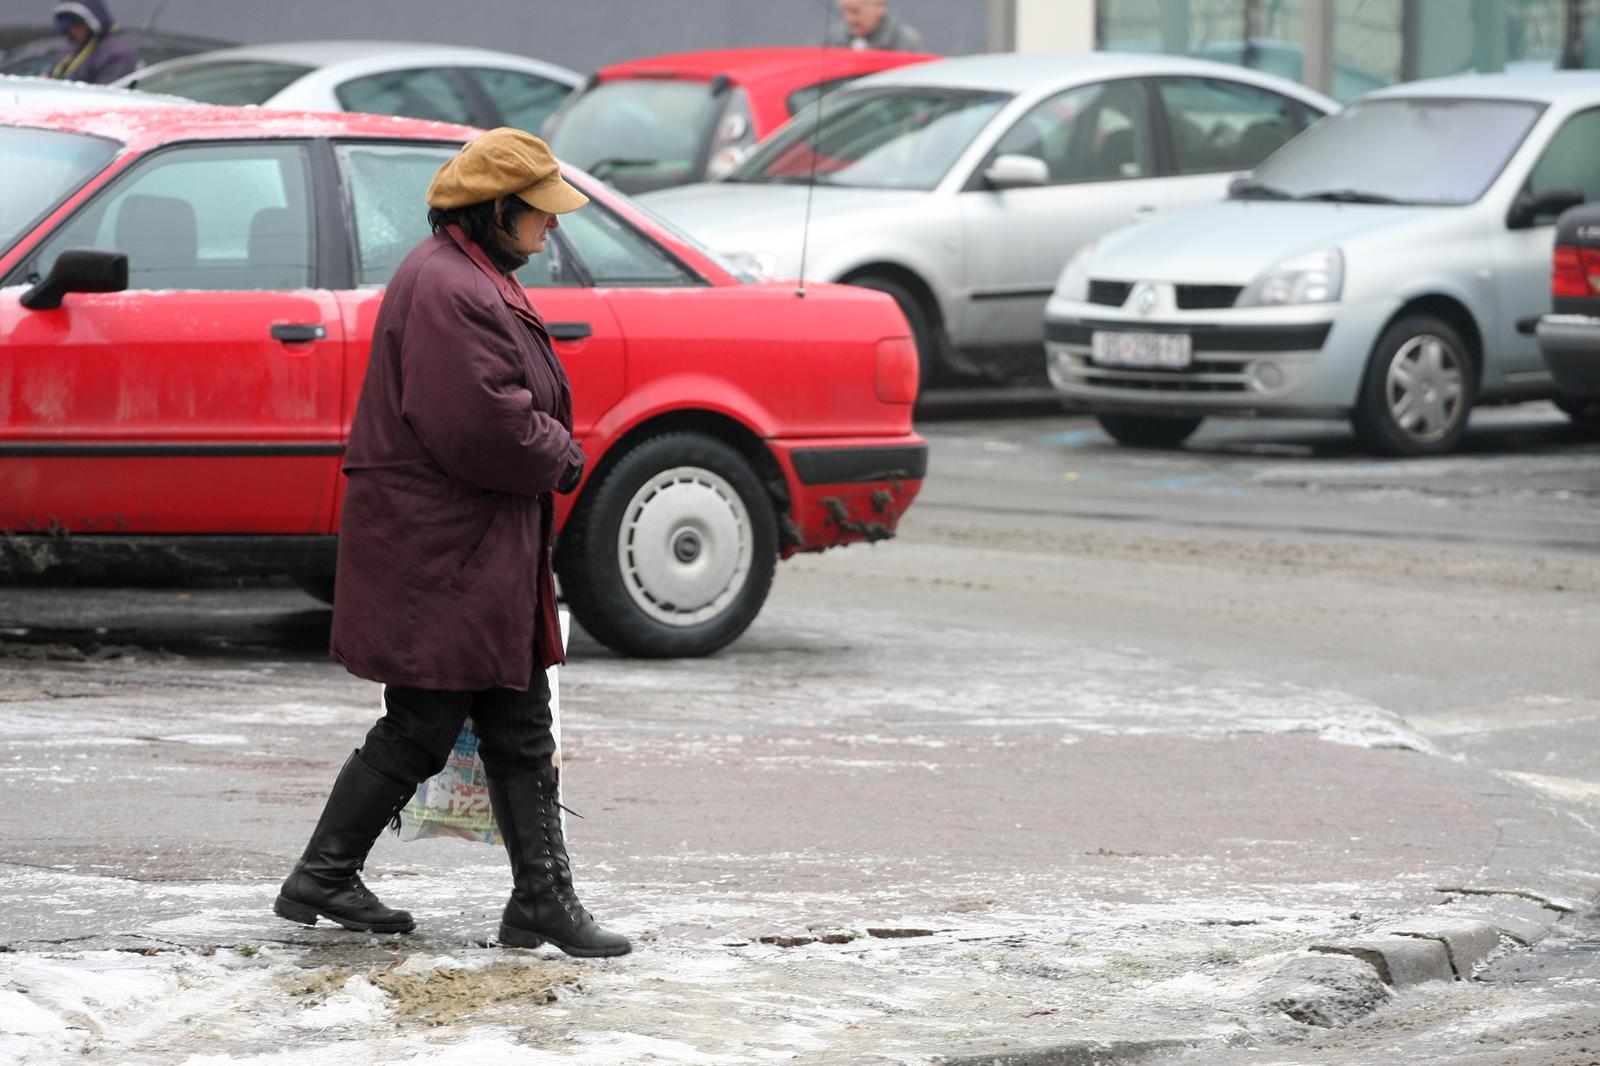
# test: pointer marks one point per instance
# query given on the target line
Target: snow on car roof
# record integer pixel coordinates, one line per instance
(143, 128)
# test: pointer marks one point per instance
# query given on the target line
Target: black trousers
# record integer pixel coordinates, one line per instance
(413, 739)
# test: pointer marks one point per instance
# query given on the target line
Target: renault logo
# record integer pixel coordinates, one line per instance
(1144, 299)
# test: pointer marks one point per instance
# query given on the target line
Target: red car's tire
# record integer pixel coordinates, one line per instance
(672, 552)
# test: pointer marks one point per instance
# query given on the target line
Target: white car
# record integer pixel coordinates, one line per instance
(961, 186)
(469, 86)
(19, 91)
(1386, 267)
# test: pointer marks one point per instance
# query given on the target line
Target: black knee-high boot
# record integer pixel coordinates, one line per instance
(543, 905)
(326, 881)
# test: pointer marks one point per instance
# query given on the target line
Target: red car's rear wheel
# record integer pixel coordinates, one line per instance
(672, 552)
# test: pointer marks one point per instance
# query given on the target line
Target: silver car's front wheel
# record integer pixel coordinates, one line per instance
(1418, 389)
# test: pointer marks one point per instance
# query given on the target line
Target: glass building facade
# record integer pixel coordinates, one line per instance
(1346, 47)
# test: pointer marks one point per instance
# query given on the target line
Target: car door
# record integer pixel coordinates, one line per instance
(1522, 255)
(384, 186)
(205, 398)
(1214, 128)
(1095, 142)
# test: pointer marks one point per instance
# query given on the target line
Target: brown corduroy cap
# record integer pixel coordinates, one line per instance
(504, 162)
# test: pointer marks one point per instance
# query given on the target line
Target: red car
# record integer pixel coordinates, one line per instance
(188, 302)
(674, 119)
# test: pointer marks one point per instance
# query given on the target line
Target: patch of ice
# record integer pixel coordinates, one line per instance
(358, 1003)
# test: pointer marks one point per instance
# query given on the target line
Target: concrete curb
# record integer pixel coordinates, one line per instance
(1078, 1053)
(1545, 866)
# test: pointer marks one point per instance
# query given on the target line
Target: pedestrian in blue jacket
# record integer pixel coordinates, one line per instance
(97, 51)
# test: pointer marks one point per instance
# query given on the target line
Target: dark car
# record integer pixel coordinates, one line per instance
(1569, 337)
(34, 53)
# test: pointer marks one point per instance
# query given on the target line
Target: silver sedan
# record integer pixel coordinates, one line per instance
(1387, 267)
(470, 86)
(960, 187)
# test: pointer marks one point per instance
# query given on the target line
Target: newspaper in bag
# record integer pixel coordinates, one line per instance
(455, 801)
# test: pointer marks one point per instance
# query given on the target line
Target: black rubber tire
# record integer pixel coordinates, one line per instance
(930, 359)
(1148, 431)
(319, 587)
(1584, 413)
(1374, 419)
(612, 592)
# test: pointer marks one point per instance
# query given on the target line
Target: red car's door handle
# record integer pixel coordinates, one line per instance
(570, 331)
(299, 332)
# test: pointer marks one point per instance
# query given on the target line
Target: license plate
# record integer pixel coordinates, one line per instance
(1166, 351)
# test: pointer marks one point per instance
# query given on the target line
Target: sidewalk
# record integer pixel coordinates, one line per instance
(989, 893)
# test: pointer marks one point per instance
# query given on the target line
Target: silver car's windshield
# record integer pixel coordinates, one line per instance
(39, 169)
(903, 138)
(1416, 150)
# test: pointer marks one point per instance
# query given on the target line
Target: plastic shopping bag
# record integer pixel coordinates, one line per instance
(455, 801)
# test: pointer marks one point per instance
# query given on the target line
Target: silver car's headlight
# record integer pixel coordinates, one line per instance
(761, 264)
(1309, 278)
(1073, 284)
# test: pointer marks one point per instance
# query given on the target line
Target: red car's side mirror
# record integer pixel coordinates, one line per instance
(78, 270)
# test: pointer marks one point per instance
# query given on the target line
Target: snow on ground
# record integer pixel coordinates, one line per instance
(190, 969)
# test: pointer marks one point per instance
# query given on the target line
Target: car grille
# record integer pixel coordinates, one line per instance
(1207, 297)
(1109, 293)
(1189, 297)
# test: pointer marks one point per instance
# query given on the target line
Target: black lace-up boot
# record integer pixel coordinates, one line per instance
(543, 905)
(326, 882)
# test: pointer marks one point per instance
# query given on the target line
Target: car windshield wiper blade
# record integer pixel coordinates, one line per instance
(1250, 189)
(1350, 196)
(801, 179)
(600, 168)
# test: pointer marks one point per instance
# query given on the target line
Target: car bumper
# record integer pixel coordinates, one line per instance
(1570, 345)
(1267, 361)
(845, 492)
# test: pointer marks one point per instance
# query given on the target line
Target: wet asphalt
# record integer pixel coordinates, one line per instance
(1110, 734)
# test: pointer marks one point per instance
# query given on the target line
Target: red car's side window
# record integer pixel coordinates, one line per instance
(204, 217)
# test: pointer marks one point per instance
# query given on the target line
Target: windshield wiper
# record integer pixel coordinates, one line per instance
(1251, 189)
(1350, 196)
(603, 167)
(801, 179)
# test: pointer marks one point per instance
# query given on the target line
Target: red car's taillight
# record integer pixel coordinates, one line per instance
(897, 370)
(1576, 272)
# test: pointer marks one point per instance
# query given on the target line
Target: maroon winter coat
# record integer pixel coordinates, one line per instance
(461, 434)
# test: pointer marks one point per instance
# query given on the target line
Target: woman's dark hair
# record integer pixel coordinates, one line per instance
(483, 224)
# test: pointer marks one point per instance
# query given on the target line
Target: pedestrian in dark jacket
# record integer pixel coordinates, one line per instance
(444, 588)
(870, 24)
(97, 52)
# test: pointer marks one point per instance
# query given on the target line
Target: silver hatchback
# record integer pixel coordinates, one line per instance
(1386, 266)
(961, 186)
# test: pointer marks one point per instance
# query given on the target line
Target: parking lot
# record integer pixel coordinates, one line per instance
(1088, 753)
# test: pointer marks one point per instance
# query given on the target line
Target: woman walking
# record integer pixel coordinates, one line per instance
(445, 591)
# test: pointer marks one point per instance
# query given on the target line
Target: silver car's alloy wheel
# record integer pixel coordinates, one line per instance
(1426, 387)
(685, 546)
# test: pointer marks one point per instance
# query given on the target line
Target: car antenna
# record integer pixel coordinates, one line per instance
(816, 144)
(151, 25)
